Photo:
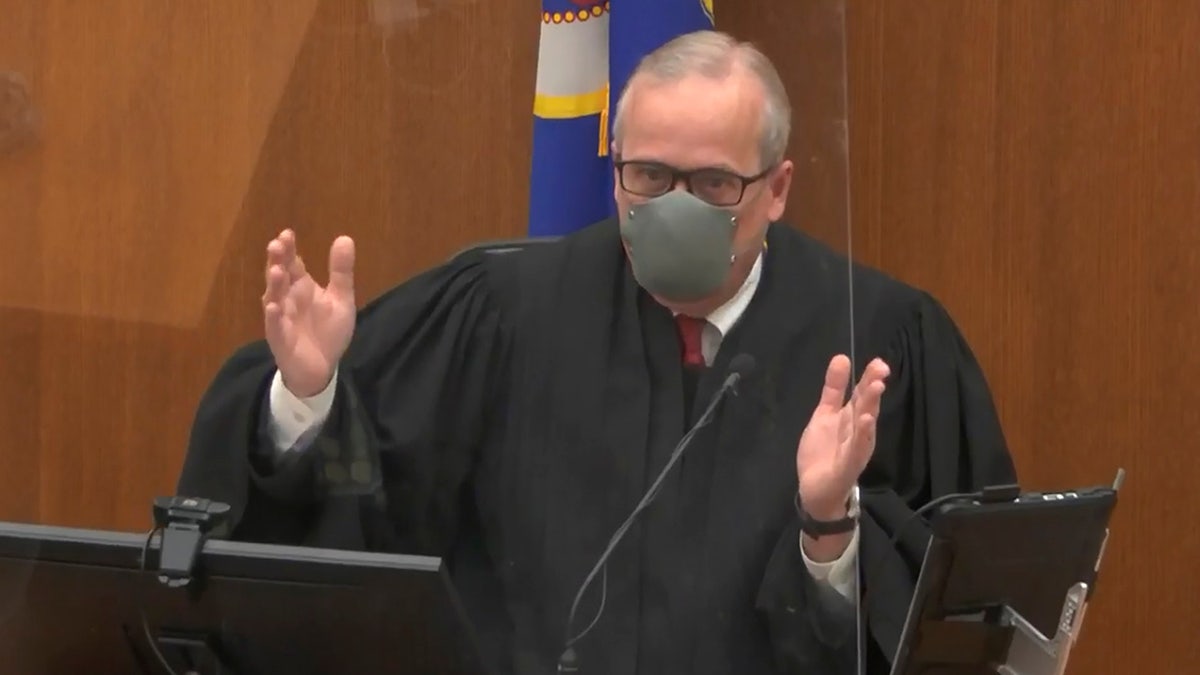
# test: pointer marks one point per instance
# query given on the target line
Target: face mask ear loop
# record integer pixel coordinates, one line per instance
(733, 254)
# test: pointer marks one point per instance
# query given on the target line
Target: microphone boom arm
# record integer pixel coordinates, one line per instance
(740, 366)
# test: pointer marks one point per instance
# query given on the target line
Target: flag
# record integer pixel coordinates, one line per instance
(586, 52)
(569, 161)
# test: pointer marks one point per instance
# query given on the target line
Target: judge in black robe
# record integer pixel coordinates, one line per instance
(509, 411)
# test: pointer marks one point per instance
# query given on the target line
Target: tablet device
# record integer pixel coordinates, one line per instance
(988, 561)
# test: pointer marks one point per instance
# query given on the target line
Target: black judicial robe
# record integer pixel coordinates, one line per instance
(509, 411)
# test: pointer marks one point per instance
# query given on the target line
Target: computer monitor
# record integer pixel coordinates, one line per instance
(78, 601)
(1004, 586)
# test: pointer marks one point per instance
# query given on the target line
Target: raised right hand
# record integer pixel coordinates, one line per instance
(308, 327)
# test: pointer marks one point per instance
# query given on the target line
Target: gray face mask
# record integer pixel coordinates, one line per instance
(681, 247)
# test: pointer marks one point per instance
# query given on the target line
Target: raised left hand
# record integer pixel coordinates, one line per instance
(839, 439)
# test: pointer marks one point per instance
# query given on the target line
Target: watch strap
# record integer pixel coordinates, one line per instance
(818, 528)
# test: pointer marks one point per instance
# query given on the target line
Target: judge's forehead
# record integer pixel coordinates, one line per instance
(697, 121)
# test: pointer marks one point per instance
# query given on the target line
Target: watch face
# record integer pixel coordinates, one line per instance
(852, 508)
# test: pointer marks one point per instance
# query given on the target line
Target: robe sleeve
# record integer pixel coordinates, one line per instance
(412, 403)
(938, 433)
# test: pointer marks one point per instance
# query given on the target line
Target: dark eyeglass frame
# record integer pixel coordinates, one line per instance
(678, 175)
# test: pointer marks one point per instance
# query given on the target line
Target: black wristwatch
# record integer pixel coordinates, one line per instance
(821, 528)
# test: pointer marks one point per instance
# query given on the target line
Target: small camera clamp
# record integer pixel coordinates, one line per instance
(184, 523)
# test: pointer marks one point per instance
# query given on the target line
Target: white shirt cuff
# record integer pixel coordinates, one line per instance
(841, 574)
(292, 416)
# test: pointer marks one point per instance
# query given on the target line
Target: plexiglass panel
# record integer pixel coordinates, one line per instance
(149, 151)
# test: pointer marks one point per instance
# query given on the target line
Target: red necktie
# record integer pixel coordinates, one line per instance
(690, 329)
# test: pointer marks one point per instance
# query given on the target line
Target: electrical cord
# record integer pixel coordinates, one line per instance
(162, 660)
(988, 495)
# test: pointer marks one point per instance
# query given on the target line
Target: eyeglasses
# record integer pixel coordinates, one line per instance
(718, 187)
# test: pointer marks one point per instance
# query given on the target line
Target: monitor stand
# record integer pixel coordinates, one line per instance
(192, 654)
(1001, 641)
(1030, 652)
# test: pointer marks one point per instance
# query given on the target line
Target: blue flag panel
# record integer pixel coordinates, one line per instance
(586, 52)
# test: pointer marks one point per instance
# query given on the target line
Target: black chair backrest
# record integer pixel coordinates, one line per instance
(499, 246)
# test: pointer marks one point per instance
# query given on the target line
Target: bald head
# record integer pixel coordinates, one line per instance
(717, 58)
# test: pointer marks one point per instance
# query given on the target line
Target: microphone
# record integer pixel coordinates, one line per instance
(741, 366)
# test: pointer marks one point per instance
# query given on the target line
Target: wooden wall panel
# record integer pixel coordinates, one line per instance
(1036, 165)
(174, 140)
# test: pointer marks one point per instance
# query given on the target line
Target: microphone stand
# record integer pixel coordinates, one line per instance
(568, 662)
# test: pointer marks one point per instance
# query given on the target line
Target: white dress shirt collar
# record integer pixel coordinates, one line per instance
(725, 317)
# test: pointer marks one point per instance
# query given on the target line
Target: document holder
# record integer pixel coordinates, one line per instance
(175, 602)
(1004, 586)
